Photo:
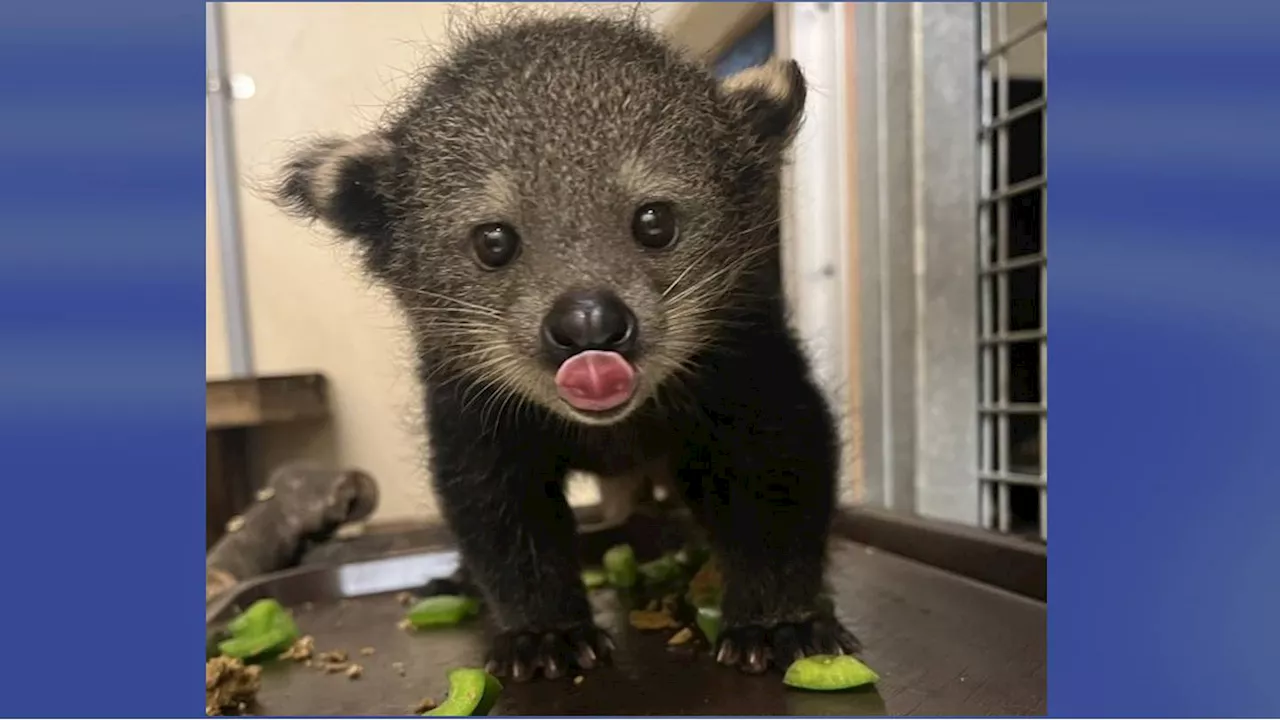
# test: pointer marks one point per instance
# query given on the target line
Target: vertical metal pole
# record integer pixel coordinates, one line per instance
(1002, 256)
(884, 325)
(1044, 286)
(227, 206)
(986, 250)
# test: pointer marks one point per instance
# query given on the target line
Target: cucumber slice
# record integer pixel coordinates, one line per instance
(258, 618)
(273, 641)
(471, 692)
(442, 611)
(829, 672)
(709, 623)
(620, 566)
(661, 571)
(265, 628)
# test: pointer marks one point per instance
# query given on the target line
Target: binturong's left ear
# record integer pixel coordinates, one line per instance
(770, 98)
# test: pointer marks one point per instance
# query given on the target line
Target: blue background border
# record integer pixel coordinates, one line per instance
(1164, 308)
(1165, 568)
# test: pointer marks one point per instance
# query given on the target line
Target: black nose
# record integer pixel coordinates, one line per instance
(588, 320)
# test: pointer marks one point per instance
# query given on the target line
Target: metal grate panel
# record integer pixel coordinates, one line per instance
(1013, 328)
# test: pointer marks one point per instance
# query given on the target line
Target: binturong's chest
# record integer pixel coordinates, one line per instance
(617, 450)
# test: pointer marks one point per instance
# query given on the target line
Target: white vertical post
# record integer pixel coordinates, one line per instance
(816, 230)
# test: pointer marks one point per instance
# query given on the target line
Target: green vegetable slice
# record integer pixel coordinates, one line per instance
(661, 571)
(709, 623)
(471, 692)
(260, 616)
(620, 566)
(265, 628)
(442, 611)
(271, 641)
(594, 579)
(829, 672)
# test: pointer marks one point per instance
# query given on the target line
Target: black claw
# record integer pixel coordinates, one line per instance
(755, 662)
(824, 637)
(848, 641)
(752, 642)
(520, 655)
(526, 660)
(586, 657)
(753, 648)
(553, 651)
(728, 653)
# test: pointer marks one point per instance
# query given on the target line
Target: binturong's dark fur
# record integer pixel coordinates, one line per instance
(582, 228)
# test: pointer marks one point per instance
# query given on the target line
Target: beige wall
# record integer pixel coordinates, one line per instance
(329, 68)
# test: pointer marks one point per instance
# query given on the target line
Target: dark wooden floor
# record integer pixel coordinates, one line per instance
(943, 645)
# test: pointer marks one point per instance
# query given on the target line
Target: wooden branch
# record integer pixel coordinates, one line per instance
(301, 504)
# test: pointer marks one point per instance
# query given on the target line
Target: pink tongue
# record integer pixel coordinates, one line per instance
(595, 380)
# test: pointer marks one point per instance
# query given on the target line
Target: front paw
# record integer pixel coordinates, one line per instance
(754, 647)
(520, 654)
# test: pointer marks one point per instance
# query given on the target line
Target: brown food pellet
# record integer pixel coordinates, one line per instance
(336, 667)
(266, 494)
(301, 649)
(231, 687)
(687, 650)
(235, 524)
(354, 671)
(424, 705)
(333, 656)
(405, 598)
(367, 651)
(651, 620)
(681, 637)
(398, 667)
(578, 680)
(405, 624)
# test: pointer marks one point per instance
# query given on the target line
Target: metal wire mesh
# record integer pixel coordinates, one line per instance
(1013, 328)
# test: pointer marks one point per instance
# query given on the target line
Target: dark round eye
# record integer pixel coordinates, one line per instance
(495, 244)
(654, 226)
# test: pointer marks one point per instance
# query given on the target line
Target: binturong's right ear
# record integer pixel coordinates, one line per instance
(770, 98)
(340, 182)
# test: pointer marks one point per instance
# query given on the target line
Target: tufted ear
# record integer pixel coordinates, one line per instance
(770, 98)
(341, 182)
